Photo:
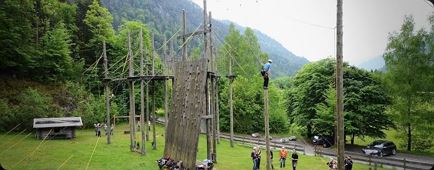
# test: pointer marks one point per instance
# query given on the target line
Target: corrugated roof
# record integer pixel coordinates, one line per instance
(57, 122)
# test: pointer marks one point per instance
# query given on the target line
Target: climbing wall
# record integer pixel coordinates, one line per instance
(189, 104)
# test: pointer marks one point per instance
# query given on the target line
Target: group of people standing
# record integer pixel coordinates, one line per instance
(98, 127)
(283, 153)
(333, 164)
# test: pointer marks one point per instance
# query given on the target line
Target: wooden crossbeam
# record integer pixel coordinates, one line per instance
(160, 78)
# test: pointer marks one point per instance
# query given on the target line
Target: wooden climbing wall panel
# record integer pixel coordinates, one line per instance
(189, 104)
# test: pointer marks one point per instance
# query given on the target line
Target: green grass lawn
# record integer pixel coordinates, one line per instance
(21, 152)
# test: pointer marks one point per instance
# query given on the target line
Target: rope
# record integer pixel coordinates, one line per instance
(16, 143)
(165, 43)
(33, 152)
(231, 48)
(188, 38)
(230, 55)
(14, 137)
(13, 129)
(95, 64)
(64, 162)
(90, 159)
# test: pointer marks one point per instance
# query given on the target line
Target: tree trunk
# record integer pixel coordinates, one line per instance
(409, 124)
(409, 137)
(352, 139)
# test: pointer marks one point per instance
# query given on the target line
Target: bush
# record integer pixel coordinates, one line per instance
(31, 104)
(422, 143)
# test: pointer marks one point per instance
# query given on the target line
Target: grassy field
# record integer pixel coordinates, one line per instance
(25, 152)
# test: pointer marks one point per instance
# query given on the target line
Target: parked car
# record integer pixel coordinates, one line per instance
(255, 135)
(285, 140)
(380, 148)
(324, 140)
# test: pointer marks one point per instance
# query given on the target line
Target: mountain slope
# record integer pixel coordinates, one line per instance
(376, 63)
(165, 16)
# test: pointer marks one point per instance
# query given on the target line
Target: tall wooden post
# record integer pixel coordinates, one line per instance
(231, 109)
(184, 44)
(154, 137)
(132, 97)
(205, 30)
(142, 97)
(211, 57)
(107, 94)
(339, 89)
(267, 130)
(217, 113)
(147, 127)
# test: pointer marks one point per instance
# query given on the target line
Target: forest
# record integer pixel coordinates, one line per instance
(51, 66)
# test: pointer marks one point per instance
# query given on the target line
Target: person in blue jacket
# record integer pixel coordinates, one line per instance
(266, 73)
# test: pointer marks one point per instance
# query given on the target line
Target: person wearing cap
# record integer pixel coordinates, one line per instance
(283, 154)
(266, 72)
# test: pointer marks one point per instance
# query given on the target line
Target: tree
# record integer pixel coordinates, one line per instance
(309, 85)
(99, 21)
(55, 60)
(311, 101)
(244, 52)
(409, 62)
(16, 35)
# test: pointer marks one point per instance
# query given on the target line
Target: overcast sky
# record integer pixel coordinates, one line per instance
(305, 27)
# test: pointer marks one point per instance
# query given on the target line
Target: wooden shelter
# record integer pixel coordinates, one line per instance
(56, 128)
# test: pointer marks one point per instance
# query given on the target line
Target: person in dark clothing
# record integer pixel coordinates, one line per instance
(294, 160)
(271, 157)
(266, 73)
(98, 127)
(258, 157)
(254, 158)
(348, 163)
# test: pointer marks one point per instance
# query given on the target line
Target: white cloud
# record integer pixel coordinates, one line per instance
(302, 25)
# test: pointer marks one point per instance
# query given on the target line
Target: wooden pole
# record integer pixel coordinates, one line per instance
(217, 113)
(142, 97)
(147, 96)
(231, 109)
(208, 120)
(339, 89)
(107, 94)
(267, 131)
(131, 92)
(213, 92)
(154, 140)
(205, 30)
(210, 43)
(166, 106)
(184, 44)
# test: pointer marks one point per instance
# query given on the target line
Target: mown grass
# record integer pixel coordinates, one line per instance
(21, 152)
